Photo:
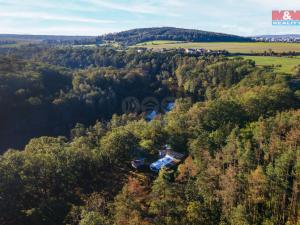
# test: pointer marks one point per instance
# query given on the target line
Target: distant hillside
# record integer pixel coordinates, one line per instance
(135, 36)
(47, 39)
(279, 38)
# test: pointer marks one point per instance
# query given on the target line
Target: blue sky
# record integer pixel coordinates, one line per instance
(94, 17)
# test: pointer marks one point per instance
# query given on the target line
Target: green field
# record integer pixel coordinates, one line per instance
(233, 47)
(161, 42)
(281, 64)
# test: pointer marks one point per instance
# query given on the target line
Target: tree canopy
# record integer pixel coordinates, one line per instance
(238, 125)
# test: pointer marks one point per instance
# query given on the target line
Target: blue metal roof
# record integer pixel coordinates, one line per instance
(170, 106)
(151, 115)
(166, 161)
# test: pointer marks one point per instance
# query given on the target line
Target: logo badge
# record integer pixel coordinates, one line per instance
(286, 17)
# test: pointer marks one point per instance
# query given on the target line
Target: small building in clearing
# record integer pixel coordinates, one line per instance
(168, 160)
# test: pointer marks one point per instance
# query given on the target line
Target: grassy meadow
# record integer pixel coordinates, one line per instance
(232, 47)
(281, 64)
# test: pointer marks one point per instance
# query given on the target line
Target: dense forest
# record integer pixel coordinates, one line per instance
(132, 37)
(67, 145)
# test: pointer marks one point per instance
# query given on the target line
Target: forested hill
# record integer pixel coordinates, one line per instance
(135, 36)
(237, 123)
